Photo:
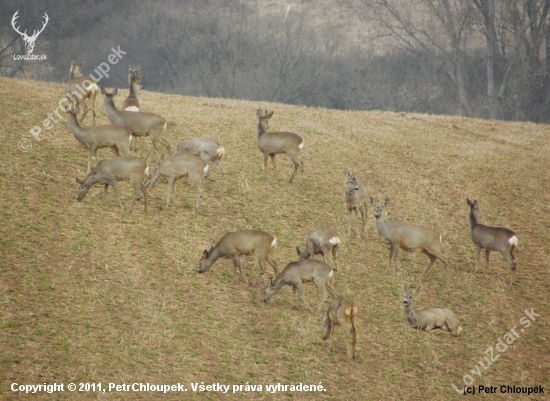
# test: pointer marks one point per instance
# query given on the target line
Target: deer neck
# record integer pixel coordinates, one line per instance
(74, 126)
(134, 89)
(410, 313)
(472, 221)
(381, 226)
(110, 108)
(260, 129)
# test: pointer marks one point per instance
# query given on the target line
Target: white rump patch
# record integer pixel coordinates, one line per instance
(165, 126)
(459, 330)
(220, 152)
(147, 171)
(513, 241)
(440, 238)
(334, 241)
(130, 139)
(206, 168)
(93, 87)
(274, 242)
(301, 146)
(331, 273)
(131, 108)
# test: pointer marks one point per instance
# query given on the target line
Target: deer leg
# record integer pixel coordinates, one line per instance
(262, 271)
(300, 289)
(391, 257)
(487, 256)
(357, 221)
(136, 182)
(237, 265)
(331, 335)
(265, 165)
(363, 210)
(105, 192)
(273, 264)
(171, 183)
(114, 184)
(92, 100)
(221, 170)
(199, 187)
(274, 165)
(349, 221)
(90, 155)
(114, 150)
(395, 253)
(508, 255)
(144, 190)
(432, 261)
(478, 255)
(82, 103)
(154, 150)
(297, 163)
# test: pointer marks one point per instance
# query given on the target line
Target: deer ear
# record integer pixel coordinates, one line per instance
(205, 253)
(115, 92)
(416, 290)
(475, 204)
(268, 116)
(103, 91)
(81, 64)
(469, 202)
(372, 201)
(78, 181)
(298, 250)
(258, 113)
(386, 201)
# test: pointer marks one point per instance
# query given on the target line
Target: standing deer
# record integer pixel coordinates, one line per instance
(274, 143)
(177, 167)
(297, 273)
(492, 239)
(356, 196)
(131, 103)
(140, 124)
(244, 242)
(341, 312)
(408, 237)
(106, 136)
(207, 149)
(79, 88)
(322, 241)
(429, 319)
(110, 171)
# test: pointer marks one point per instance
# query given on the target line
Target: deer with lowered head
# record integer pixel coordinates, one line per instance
(139, 124)
(245, 242)
(356, 197)
(275, 143)
(322, 241)
(489, 238)
(80, 87)
(408, 237)
(341, 312)
(297, 273)
(110, 171)
(131, 103)
(96, 137)
(177, 167)
(207, 149)
(429, 319)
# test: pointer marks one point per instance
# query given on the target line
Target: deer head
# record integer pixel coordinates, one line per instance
(29, 40)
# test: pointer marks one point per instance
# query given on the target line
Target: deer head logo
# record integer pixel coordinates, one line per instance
(29, 40)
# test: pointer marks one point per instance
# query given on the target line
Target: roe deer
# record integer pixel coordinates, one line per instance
(341, 312)
(429, 319)
(106, 136)
(302, 271)
(177, 167)
(244, 242)
(356, 196)
(275, 143)
(131, 103)
(139, 123)
(408, 237)
(207, 149)
(79, 88)
(110, 171)
(492, 239)
(323, 241)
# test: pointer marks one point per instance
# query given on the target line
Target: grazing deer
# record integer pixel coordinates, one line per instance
(408, 237)
(177, 167)
(79, 88)
(322, 241)
(110, 171)
(356, 196)
(274, 143)
(140, 124)
(492, 239)
(106, 136)
(131, 103)
(207, 149)
(429, 319)
(297, 273)
(341, 312)
(244, 242)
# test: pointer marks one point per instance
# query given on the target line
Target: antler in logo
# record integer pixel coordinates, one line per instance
(29, 40)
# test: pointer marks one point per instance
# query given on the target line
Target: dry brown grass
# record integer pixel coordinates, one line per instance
(92, 294)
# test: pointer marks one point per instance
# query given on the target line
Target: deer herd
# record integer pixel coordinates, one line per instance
(192, 158)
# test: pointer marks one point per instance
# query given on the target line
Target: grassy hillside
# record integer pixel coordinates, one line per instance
(90, 293)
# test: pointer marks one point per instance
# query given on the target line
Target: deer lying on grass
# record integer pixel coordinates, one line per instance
(408, 237)
(244, 242)
(106, 136)
(323, 241)
(177, 167)
(140, 123)
(79, 88)
(492, 239)
(110, 171)
(341, 312)
(356, 196)
(429, 319)
(302, 271)
(274, 143)
(131, 103)
(207, 149)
